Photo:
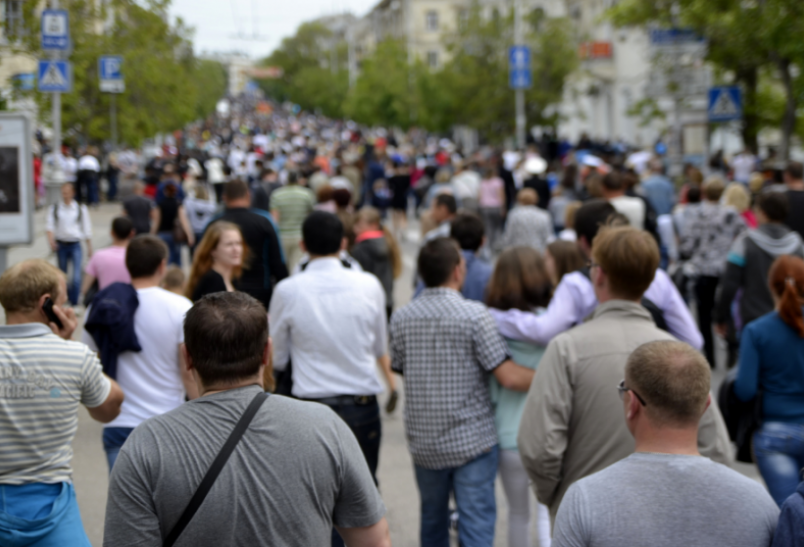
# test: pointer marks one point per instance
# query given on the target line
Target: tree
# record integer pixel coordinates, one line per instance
(166, 87)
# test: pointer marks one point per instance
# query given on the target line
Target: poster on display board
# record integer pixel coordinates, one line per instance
(16, 180)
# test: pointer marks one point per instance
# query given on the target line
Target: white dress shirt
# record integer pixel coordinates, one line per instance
(88, 163)
(574, 300)
(331, 323)
(68, 228)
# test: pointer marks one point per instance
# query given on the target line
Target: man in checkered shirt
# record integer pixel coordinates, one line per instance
(446, 347)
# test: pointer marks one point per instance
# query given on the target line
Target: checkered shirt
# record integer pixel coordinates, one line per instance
(446, 346)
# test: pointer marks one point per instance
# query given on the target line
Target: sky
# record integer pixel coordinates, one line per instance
(254, 27)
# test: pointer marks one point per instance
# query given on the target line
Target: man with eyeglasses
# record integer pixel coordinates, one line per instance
(572, 425)
(666, 493)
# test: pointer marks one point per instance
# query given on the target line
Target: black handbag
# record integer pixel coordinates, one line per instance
(742, 418)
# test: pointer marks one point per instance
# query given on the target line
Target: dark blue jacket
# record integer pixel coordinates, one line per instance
(790, 530)
(111, 324)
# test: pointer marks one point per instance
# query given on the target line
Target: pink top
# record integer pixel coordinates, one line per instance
(109, 266)
(491, 192)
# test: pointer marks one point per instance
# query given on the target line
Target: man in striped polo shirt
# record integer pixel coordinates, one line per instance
(290, 206)
(43, 377)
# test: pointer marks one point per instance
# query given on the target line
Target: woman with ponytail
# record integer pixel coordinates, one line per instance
(772, 362)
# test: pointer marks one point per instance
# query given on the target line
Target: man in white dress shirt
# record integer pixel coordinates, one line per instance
(87, 179)
(67, 225)
(330, 322)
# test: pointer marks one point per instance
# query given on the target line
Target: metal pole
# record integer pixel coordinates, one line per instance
(113, 118)
(519, 94)
(56, 102)
(677, 155)
(351, 42)
(3, 259)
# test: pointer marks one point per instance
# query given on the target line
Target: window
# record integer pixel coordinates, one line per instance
(432, 59)
(463, 18)
(13, 18)
(432, 21)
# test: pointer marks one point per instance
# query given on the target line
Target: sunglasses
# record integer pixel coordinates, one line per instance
(621, 389)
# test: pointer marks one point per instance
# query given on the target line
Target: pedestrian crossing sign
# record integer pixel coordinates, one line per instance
(725, 104)
(55, 76)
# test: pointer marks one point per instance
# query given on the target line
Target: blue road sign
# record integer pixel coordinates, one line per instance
(109, 67)
(55, 30)
(519, 74)
(725, 104)
(55, 76)
(672, 36)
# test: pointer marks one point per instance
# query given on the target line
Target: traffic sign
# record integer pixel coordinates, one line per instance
(519, 74)
(55, 76)
(674, 36)
(55, 30)
(725, 104)
(111, 78)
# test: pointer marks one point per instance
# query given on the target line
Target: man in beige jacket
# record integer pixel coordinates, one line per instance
(572, 424)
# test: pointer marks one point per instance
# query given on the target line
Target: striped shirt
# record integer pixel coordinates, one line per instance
(293, 203)
(43, 378)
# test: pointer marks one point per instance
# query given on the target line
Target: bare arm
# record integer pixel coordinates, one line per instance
(110, 408)
(185, 224)
(187, 377)
(385, 365)
(514, 377)
(156, 218)
(87, 282)
(376, 535)
(52, 241)
(275, 214)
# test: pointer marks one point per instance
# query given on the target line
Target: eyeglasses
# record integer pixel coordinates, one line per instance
(590, 265)
(621, 389)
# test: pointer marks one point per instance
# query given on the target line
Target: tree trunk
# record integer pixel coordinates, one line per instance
(789, 118)
(749, 79)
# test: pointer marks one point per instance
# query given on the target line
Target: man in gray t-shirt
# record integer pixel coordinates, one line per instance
(297, 471)
(666, 494)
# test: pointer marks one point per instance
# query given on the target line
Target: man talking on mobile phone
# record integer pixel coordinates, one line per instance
(43, 377)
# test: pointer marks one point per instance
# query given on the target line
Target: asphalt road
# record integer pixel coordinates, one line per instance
(397, 481)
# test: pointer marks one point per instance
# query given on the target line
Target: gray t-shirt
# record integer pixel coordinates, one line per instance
(666, 500)
(296, 472)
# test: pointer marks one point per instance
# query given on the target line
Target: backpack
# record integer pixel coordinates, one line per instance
(56, 213)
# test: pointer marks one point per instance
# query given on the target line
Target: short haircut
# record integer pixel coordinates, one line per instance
(322, 233)
(774, 205)
(448, 201)
(225, 334)
(144, 254)
(520, 281)
(174, 279)
(527, 196)
(591, 216)
(694, 194)
(629, 257)
(122, 227)
(737, 196)
(235, 189)
(672, 378)
(795, 169)
(437, 261)
(613, 181)
(22, 285)
(713, 188)
(293, 177)
(468, 230)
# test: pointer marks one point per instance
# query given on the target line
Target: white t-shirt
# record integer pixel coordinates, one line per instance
(151, 379)
(88, 163)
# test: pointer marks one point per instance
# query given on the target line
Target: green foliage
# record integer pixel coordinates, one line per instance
(166, 87)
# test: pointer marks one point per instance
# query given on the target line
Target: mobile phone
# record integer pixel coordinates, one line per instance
(47, 307)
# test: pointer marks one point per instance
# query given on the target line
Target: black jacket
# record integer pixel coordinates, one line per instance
(374, 257)
(111, 324)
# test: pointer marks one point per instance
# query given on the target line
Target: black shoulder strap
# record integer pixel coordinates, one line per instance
(215, 469)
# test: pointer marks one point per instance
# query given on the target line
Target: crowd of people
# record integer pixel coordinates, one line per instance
(547, 282)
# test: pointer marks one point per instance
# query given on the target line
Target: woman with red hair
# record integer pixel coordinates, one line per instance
(772, 363)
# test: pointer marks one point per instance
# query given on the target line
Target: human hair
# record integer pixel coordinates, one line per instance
(527, 196)
(235, 189)
(322, 233)
(371, 216)
(443, 176)
(569, 213)
(170, 190)
(144, 254)
(22, 285)
(225, 334)
(325, 193)
(629, 257)
(613, 181)
(694, 194)
(519, 281)
(174, 280)
(737, 196)
(201, 192)
(448, 201)
(567, 257)
(713, 188)
(673, 379)
(795, 170)
(437, 260)
(569, 176)
(122, 227)
(594, 185)
(591, 216)
(786, 280)
(695, 176)
(468, 230)
(774, 205)
(202, 257)
(293, 177)
(342, 197)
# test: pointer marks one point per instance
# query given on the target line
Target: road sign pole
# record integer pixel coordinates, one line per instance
(113, 119)
(519, 94)
(56, 102)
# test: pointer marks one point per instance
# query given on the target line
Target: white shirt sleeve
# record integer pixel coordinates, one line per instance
(280, 329)
(86, 222)
(680, 322)
(50, 222)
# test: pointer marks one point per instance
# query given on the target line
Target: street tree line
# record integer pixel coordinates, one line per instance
(166, 85)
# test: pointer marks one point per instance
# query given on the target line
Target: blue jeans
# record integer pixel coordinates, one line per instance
(113, 440)
(71, 252)
(40, 515)
(779, 452)
(174, 249)
(473, 485)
